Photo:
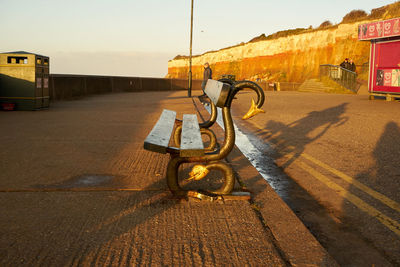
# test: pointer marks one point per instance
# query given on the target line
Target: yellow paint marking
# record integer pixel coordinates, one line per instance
(385, 220)
(382, 198)
(275, 135)
(290, 157)
(280, 142)
(270, 134)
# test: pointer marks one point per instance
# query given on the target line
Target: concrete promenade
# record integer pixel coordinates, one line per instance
(338, 159)
(78, 189)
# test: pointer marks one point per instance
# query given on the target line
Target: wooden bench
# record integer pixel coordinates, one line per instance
(188, 145)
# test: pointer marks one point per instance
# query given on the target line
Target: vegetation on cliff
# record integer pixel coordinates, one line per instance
(325, 24)
(384, 12)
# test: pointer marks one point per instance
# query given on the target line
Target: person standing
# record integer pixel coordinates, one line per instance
(345, 64)
(344, 74)
(352, 66)
(207, 74)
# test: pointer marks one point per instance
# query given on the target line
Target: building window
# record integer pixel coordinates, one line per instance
(17, 60)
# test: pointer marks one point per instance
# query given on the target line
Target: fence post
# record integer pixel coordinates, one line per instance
(54, 96)
(112, 84)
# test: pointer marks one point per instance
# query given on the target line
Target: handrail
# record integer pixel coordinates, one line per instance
(338, 67)
(340, 75)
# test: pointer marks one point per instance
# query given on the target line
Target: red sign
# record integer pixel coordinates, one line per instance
(379, 29)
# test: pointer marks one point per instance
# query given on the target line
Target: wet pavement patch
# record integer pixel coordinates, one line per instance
(256, 151)
(92, 180)
(82, 181)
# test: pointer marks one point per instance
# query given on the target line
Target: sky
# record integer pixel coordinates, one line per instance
(137, 38)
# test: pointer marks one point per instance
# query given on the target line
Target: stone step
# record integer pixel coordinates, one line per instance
(313, 85)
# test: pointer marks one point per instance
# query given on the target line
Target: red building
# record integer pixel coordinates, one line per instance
(384, 65)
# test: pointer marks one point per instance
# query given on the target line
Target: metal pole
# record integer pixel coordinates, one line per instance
(190, 56)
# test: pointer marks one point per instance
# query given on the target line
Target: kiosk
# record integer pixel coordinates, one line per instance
(384, 64)
(24, 81)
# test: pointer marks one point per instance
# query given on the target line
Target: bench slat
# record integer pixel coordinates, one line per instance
(191, 142)
(158, 138)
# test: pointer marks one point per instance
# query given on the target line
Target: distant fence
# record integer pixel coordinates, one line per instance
(68, 86)
(65, 86)
(340, 75)
(281, 86)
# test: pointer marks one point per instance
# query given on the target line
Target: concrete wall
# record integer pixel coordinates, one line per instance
(283, 86)
(64, 86)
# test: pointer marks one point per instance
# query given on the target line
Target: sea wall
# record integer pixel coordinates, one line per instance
(67, 87)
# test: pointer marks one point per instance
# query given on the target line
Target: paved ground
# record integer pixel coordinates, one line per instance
(77, 189)
(340, 155)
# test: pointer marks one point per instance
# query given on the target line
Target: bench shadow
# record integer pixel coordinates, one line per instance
(291, 139)
(284, 143)
(329, 225)
(384, 178)
(385, 172)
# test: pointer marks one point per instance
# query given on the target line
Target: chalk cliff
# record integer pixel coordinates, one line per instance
(292, 58)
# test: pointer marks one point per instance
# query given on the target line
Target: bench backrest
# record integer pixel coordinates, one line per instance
(218, 92)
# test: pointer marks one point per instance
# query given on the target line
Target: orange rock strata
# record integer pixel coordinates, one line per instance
(291, 58)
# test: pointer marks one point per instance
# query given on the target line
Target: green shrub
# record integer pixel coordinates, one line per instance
(325, 24)
(258, 38)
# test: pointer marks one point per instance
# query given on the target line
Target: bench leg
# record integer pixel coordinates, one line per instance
(172, 176)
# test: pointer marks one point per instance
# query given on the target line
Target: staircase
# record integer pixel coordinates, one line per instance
(314, 86)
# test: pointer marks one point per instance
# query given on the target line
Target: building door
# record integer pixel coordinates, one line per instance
(386, 66)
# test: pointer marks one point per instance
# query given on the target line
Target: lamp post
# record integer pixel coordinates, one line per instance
(190, 56)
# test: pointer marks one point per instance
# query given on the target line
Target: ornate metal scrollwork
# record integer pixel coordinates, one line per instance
(204, 131)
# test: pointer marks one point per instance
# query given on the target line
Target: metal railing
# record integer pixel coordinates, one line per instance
(340, 75)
